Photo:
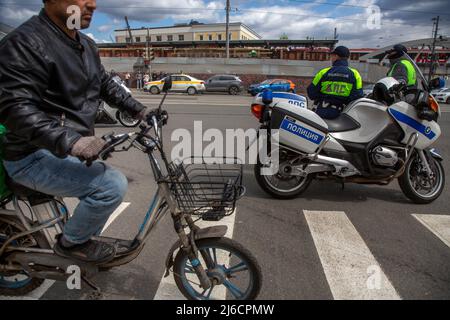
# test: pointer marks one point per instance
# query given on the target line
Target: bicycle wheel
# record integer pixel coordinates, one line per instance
(232, 269)
(19, 283)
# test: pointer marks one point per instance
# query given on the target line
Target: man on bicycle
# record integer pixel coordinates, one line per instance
(51, 83)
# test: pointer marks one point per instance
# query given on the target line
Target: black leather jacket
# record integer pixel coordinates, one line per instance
(50, 89)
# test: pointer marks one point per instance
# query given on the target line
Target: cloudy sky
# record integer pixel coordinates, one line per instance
(401, 20)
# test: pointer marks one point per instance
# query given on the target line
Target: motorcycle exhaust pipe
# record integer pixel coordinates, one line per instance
(333, 161)
(343, 167)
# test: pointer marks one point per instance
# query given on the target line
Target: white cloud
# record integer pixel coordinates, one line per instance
(152, 11)
(269, 18)
(14, 16)
(298, 23)
(104, 28)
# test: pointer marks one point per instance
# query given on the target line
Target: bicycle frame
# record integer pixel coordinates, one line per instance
(162, 203)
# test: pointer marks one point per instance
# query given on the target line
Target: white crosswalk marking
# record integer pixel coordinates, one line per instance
(168, 290)
(350, 268)
(439, 225)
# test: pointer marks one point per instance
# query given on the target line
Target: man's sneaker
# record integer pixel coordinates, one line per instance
(92, 251)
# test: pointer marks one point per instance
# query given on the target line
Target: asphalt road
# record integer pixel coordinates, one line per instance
(312, 247)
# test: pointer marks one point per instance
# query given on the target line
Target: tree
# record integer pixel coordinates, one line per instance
(284, 36)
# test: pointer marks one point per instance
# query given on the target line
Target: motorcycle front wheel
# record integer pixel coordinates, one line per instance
(417, 185)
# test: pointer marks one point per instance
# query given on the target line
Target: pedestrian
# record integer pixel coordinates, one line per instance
(128, 79)
(139, 81)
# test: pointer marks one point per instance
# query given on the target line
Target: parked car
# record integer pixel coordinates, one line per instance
(443, 96)
(224, 83)
(180, 83)
(276, 85)
(436, 91)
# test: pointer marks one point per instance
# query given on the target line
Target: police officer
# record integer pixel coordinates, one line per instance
(401, 68)
(336, 86)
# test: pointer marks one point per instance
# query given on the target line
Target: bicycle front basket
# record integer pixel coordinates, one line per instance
(208, 190)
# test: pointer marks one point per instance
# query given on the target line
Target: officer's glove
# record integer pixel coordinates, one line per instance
(88, 148)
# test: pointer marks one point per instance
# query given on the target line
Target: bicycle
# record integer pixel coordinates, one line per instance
(205, 259)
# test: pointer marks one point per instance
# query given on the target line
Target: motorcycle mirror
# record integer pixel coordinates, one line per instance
(437, 83)
(267, 97)
(167, 84)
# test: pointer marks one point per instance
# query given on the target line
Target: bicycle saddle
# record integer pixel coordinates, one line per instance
(25, 193)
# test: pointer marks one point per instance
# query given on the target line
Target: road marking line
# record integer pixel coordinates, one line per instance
(168, 290)
(351, 270)
(71, 204)
(439, 225)
(116, 214)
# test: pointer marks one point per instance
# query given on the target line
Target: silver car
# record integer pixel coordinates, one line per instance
(225, 83)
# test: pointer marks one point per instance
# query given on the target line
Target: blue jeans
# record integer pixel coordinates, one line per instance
(100, 188)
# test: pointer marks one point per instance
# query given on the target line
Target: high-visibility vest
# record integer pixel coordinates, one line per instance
(411, 71)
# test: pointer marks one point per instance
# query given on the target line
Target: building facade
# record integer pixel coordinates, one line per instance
(187, 32)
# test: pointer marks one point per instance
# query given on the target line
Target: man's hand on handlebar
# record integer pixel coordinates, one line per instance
(161, 117)
(88, 149)
(147, 114)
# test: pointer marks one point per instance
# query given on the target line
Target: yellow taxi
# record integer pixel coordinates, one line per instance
(180, 83)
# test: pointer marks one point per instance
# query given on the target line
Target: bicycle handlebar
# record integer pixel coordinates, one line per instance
(155, 119)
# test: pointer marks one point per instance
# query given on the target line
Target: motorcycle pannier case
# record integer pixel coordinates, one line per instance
(300, 129)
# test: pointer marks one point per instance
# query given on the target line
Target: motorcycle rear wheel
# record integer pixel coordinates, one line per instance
(269, 184)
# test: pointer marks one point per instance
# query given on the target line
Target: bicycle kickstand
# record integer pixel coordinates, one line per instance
(97, 293)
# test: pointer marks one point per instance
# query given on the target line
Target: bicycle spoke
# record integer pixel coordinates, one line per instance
(210, 291)
(215, 256)
(210, 262)
(233, 289)
(237, 268)
(189, 269)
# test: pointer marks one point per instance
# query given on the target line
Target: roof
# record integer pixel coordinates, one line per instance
(233, 43)
(183, 26)
(414, 44)
(193, 25)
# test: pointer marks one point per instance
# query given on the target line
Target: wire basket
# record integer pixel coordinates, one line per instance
(209, 190)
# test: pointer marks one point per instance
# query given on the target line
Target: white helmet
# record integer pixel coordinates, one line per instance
(382, 92)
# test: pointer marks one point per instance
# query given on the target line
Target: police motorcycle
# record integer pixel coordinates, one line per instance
(108, 115)
(374, 141)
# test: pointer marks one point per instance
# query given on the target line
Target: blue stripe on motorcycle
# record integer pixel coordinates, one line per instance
(401, 117)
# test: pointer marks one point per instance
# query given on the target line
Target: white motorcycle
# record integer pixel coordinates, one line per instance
(373, 141)
(109, 115)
